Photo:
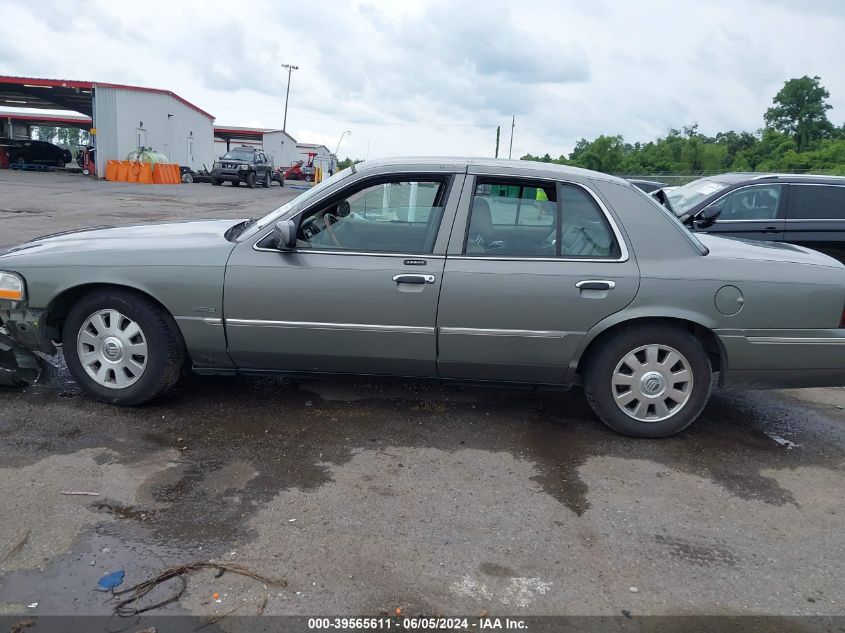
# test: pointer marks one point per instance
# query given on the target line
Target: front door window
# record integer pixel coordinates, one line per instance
(390, 217)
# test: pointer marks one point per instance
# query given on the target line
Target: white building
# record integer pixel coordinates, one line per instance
(281, 147)
(127, 118)
(324, 158)
(123, 117)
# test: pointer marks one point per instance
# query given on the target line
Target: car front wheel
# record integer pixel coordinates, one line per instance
(122, 348)
(648, 381)
(266, 183)
(250, 180)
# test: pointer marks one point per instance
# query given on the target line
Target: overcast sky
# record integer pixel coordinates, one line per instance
(414, 77)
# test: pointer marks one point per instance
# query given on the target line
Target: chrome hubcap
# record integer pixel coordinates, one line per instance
(652, 383)
(112, 349)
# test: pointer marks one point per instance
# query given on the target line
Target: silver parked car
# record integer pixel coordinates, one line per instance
(476, 270)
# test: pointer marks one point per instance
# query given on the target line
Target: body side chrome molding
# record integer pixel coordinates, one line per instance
(794, 340)
(363, 327)
(206, 320)
(473, 331)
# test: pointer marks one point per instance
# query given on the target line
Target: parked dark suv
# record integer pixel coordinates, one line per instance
(28, 152)
(243, 164)
(804, 210)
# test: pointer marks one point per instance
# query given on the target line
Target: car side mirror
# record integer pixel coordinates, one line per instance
(707, 217)
(284, 235)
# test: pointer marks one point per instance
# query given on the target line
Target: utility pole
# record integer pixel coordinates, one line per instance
(513, 125)
(498, 134)
(290, 68)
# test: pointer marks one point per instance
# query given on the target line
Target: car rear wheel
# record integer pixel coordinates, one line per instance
(309, 178)
(187, 178)
(121, 347)
(60, 163)
(267, 180)
(648, 381)
(216, 182)
(250, 180)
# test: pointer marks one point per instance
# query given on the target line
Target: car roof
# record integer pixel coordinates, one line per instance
(463, 163)
(739, 177)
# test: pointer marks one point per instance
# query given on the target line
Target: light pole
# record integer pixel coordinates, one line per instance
(290, 68)
(340, 139)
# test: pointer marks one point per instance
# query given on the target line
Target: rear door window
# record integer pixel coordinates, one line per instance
(816, 202)
(528, 219)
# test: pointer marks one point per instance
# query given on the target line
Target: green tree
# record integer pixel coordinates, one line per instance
(45, 133)
(800, 110)
(348, 162)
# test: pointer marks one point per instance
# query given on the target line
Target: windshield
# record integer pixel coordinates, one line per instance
(686, 197)
(303, 197)
(238, 154)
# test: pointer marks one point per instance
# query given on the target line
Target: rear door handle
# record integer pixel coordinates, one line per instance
(771, 229)
(413, 279)
(596, 284)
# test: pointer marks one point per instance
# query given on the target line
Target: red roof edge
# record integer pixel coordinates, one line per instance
(88, 85)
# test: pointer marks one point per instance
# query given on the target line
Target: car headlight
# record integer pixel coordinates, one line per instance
(216, 165)
(11, 287)
(243, 166)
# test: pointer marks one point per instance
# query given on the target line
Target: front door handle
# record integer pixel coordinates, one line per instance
(596, 284)
(413, 279)
(771, 229)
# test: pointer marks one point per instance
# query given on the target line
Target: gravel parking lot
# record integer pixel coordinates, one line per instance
(368, 496)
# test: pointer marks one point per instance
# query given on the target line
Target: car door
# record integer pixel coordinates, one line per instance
(532, 265)
(359, 292)
(754, 212)
(815, 218)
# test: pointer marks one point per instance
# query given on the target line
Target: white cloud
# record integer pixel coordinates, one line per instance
(436, 77)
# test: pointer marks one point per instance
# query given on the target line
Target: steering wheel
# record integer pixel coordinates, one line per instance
(329, 220)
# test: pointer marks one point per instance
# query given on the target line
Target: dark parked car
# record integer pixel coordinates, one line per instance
(27, 152)
(804, 210)
(243, 164)
(647, 185)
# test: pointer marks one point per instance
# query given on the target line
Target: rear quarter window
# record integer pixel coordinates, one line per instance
(816, 202)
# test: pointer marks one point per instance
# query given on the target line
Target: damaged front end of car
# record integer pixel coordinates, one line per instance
(22, 333)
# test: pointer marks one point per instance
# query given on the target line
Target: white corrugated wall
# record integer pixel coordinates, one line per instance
(126, 118)
(281, 146)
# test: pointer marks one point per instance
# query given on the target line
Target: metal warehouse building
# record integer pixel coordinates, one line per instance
(278, 144)
(124, 117)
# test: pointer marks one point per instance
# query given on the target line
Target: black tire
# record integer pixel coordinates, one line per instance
(19, 160)
(187, 178)
(166, 349)
(216, 182)
(267, 180)
(250, 180)
(602, 364)
(60, 163)
(309, 178)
